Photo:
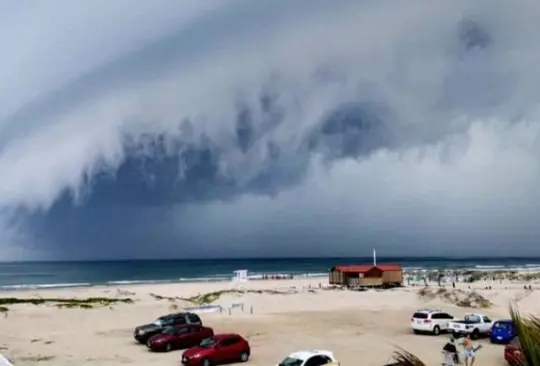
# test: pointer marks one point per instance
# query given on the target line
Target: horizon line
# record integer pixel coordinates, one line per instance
(393, 257)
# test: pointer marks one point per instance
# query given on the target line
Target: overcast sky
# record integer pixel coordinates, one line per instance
(236, 128)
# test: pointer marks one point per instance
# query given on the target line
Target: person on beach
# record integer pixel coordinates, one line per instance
(451, 353)
(469, 351)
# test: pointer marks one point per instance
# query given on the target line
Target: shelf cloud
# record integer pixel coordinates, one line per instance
(245, 128)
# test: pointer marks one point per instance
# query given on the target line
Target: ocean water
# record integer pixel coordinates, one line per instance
(33, 275)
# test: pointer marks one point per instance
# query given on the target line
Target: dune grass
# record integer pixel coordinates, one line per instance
(86, 303)
(458, 297)
(210, 297)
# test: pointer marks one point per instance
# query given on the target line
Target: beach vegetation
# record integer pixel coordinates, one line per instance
(210, 297)
(527, 330)
(36, 358)
(86, 303)
(73, 305)
(405, 358)
(474, 276)
(458, 297)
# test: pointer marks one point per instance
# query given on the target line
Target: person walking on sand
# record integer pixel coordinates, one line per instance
(469, 351)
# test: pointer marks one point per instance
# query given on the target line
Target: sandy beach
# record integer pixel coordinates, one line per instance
(362, 328)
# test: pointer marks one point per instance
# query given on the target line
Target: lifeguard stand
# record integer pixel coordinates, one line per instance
(240, 276)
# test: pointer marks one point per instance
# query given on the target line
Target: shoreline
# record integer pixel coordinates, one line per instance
(295, 284)
(135, 285)
(57, 286)
(414, 274)
(67, 274)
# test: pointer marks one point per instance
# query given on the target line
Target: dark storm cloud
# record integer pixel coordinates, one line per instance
(279, 128)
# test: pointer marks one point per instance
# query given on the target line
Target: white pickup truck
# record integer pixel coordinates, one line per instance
(476, 325)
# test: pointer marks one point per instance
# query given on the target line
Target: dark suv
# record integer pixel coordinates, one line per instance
(143, 332)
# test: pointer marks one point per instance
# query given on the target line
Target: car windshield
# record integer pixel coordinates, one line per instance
(420, 316)
(158, 323)
(503, 325)
(291, 361)
(207, 343)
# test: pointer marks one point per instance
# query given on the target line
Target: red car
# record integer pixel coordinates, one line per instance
(219, 349)
(512, 352)
(180, 337)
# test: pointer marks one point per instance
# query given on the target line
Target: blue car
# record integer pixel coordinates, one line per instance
(503, 331)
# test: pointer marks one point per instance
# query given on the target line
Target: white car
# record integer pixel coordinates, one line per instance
(432, 321)
(310, 358)
(476, 325)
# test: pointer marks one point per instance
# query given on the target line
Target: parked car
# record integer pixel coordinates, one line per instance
(179, 337)
(502, 331)
(310, 358)
(512, 352)
(432, 321)
(143, 333)
(216, 350)
(476, 325)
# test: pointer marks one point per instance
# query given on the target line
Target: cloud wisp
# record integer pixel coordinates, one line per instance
(269, 129)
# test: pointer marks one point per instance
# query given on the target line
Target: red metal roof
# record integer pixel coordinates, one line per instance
(362, 268)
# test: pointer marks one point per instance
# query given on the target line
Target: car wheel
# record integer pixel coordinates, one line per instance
(244, 356)
(475, 334)
(205, 362)
(436, 330)
(168, 347)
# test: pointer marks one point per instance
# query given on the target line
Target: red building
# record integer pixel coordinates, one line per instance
(380, 275)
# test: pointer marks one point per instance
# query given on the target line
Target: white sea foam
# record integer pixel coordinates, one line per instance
(46, 285)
